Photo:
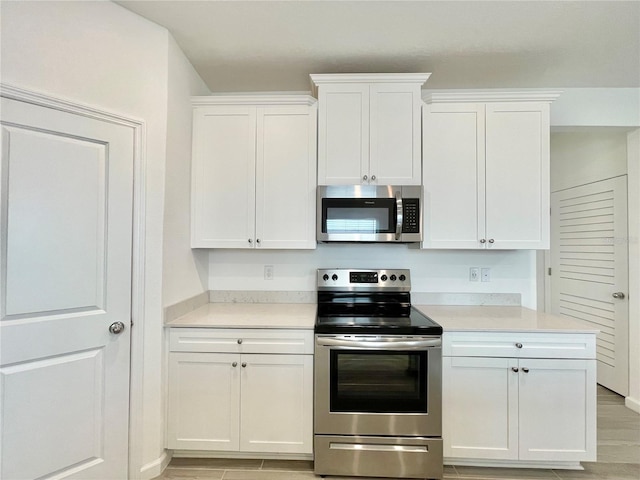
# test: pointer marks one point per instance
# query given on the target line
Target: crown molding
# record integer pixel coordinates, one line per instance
(470, 96)
(254, 99)
(318, 79)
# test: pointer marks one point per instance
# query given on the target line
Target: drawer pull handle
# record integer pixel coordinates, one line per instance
(525, 369)
(239, 341)
(518, 345)
(514, 369)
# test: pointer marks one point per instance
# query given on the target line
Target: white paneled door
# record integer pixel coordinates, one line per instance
(66, 184)
(589, 269)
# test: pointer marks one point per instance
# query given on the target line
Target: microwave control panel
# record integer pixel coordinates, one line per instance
(410, 215)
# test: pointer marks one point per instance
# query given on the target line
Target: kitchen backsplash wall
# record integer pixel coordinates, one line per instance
(432, 271)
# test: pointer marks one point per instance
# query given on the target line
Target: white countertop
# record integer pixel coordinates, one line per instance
(498, 318)
(451, 317)
(250, 315)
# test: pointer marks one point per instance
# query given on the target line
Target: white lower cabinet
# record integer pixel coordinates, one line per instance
(240, 402)
(518, 409)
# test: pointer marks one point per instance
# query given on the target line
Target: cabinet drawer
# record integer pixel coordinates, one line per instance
(241, 340)
(515, 345)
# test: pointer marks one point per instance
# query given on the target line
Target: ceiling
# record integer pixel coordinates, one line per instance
(274, 45)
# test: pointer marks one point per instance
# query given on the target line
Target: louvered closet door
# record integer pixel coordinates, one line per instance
(589, 261)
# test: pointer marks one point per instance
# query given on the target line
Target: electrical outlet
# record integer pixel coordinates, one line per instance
(485, 274)
(474, 274)
(268, 272)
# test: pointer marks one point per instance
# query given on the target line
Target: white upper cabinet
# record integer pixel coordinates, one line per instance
(254, 172)
(486, 171)
(369, 128)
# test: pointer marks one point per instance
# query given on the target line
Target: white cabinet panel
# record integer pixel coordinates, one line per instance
(527, 407)
(395, 140)
(277, 404)
(557, 407)
(204, 401)
(369, 129)
(486, 172)
(254, 172)
(241, 340)
(453, 175)
(343, 141)
(286, 178)
(223, 197)
(260, 402)
(480, 414)
(517, 175)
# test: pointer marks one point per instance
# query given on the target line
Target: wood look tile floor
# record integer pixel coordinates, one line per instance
(618, 458)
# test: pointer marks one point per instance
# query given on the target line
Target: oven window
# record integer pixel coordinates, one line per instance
(357, 220)
(378, 382)
(359, 216)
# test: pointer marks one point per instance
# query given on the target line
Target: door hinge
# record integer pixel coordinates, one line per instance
(549, 271)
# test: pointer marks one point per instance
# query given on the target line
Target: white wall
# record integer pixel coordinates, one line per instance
(587, 155)
(593, 107)
(98, 54)
(185, 270)
(633, 147)
(432, 271)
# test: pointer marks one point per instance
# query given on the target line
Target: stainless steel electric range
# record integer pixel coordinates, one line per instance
(378, 378)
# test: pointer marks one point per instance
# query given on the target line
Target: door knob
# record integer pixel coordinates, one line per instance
(116, 328)
(618, 295)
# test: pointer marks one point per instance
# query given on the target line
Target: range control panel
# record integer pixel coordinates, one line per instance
(364, 279)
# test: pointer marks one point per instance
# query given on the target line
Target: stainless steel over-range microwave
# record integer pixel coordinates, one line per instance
(369, 213)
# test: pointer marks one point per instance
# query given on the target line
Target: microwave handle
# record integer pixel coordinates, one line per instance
(398, 215)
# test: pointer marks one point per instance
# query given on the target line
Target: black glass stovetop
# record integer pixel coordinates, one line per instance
(377, 314)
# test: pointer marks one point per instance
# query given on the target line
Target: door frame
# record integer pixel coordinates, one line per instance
(138, 280)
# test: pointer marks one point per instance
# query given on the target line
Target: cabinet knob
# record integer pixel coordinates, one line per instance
(234, 364)
(244, 364)
(618, 295)
(373, 177)
(491, 240)
(250, 241)
(518, 345)
(239, 341)
(483, 240)
(258, 241)
(514, 369)
(525, 369)
(365, 178)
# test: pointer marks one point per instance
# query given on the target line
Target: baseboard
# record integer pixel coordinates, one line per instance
(465, 462)
(632, 404)
(155, 468)
(241, 455)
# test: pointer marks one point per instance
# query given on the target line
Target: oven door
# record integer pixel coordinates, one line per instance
(378, 385)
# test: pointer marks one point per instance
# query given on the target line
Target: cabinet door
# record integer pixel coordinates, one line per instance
(557, 415)
(394, 134)
(517, 175)
(343, 134)
(453, 175)
(286, 177)
(223, 177)
(277, 403)
(204, 399)
(480, 408)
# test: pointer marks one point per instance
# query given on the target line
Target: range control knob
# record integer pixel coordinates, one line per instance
(393, 278)
(334, 277)
(383, 278)
(402, 278)
(325, 277)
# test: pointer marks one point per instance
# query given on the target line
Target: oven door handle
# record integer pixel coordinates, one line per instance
(377, 344)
